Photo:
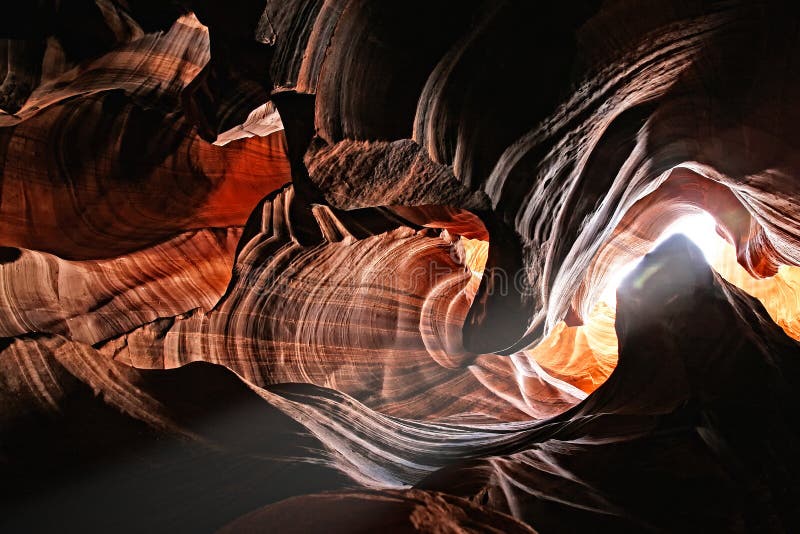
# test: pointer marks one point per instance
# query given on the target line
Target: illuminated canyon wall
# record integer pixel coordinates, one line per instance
(351, 266)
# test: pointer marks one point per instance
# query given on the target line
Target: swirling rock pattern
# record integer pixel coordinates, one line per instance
(340, 265)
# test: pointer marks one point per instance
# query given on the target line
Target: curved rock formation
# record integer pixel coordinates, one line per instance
(340, 265)
(671, 418)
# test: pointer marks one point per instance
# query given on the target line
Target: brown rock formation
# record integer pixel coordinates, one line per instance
(339, 265)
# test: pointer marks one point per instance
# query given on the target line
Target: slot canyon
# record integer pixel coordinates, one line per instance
(424, 266)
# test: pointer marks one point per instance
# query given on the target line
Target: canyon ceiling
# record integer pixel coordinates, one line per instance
(345, 266)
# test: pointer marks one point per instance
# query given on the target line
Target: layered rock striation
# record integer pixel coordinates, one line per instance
(339, 264)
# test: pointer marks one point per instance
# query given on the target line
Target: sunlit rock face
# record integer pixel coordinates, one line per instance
(354, 266)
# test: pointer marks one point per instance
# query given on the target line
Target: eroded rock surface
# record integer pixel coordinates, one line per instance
(346, 260)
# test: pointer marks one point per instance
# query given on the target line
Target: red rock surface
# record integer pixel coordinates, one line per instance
(339, 266)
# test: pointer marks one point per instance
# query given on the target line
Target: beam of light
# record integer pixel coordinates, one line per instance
(585, 356)
(699, 227)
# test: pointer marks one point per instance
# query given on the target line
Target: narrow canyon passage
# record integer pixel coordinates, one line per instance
(357, 266)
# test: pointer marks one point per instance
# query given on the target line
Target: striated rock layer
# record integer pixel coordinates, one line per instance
(343, 265)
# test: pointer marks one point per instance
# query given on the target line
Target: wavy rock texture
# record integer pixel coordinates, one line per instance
(91, 301)
(101, 198)
(341, 265)
(671, 412)
(393, 304)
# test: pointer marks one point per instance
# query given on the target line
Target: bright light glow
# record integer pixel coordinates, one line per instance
(700, 228)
